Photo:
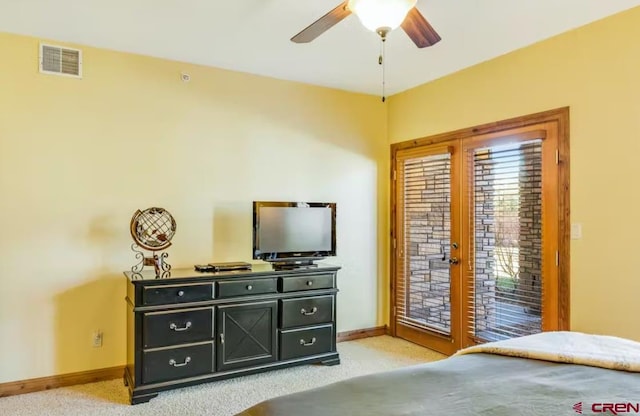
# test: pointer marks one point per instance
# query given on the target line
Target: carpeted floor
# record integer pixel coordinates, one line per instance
(221, 398)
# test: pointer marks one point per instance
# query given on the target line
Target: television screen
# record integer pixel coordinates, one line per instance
(291, 230)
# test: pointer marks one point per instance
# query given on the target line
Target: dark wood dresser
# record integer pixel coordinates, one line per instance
(194, 327)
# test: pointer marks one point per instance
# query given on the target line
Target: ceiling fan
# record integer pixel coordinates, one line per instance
(380, 16)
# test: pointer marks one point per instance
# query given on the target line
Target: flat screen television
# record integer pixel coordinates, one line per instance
(294, 232)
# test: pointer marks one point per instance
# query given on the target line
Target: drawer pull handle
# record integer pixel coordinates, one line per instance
(184, 328)
(249, 287)
(173, 362)
(311, 312)
(308, 344)
(309, 282)
(181, 293)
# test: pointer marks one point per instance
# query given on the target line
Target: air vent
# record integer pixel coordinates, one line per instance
(60, 61)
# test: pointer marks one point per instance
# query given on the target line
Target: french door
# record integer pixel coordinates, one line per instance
(477, 231)
(427, 244)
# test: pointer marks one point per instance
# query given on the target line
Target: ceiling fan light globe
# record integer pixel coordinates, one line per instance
(376, 14)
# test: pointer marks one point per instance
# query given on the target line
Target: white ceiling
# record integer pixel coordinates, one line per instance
(253, 35)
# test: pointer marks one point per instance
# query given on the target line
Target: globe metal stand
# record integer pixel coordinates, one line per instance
(152, 229)
(160, 266)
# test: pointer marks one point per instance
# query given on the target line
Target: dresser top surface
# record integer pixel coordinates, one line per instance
(182, 274)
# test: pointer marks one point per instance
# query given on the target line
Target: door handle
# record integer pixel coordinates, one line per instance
(453, 261)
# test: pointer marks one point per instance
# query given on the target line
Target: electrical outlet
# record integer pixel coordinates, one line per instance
(97, 339)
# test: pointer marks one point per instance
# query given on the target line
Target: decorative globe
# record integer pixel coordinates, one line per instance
(153, 228)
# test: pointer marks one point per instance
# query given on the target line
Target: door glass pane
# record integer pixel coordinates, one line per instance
(506, 276)
(424, 300)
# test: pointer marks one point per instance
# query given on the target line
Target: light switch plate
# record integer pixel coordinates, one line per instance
(96, 338)
(576, 231)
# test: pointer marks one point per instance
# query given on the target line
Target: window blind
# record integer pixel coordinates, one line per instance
(504, 270)
(423, 290)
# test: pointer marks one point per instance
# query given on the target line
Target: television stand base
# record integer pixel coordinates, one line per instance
(297, 265)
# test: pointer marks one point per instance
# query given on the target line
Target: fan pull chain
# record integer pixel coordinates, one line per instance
(381, 62)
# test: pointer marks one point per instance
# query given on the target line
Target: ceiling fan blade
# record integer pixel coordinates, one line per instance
(419, 30)
(323, 24)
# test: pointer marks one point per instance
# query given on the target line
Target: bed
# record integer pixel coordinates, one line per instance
(553, 373)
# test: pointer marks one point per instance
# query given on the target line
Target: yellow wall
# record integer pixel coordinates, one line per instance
(596, 71)
(78, 157)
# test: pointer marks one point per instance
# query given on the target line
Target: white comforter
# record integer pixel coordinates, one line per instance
(568, 347)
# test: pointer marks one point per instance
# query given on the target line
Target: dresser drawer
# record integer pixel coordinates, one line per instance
(176, 363)
(177, 327)
(295, 343)
(306, 311)
(233, 288)
(307, 282)
(168, 294)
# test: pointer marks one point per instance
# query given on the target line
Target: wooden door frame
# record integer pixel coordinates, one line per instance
(560, 117)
